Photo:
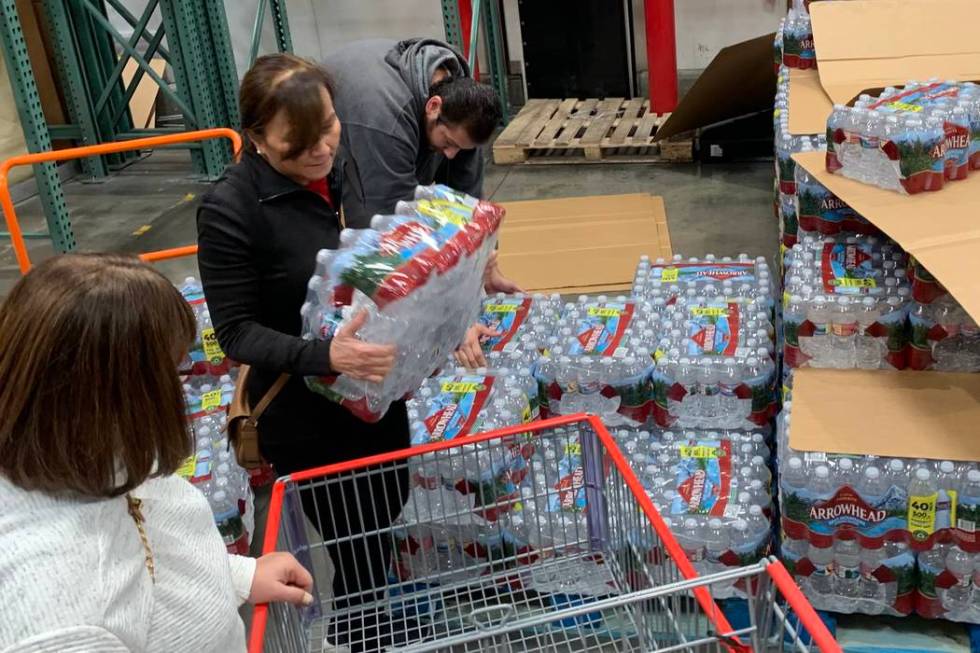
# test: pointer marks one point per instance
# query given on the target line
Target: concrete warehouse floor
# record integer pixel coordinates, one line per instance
(720, 208)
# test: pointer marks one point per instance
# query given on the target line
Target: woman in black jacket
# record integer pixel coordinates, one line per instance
(259, 229)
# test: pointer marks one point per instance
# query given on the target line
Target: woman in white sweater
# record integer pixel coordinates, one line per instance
(102, 547)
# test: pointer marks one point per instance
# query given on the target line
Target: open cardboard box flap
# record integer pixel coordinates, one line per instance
(914, 414)
(581, 244)
(941, 229)
(870, 44)
(739, 81)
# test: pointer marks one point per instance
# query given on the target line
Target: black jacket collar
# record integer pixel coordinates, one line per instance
(272, 184)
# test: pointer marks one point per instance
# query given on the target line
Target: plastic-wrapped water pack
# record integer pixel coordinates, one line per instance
(418, 274)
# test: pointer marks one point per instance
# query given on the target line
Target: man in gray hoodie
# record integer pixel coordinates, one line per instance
(411, 114)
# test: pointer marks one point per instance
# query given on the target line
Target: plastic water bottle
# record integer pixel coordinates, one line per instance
(716, 540)
(960, 564)
(843, 328)
(871, 558)
(821, 484)
(847, 567)
(822, 558)
(794, 475)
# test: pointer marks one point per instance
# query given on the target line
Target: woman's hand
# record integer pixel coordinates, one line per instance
(470, 353)
(357, 359)
(279, 577)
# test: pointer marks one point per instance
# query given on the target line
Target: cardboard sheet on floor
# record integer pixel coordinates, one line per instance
(870, 44)
(902, 414)
(582, 244)
(941, 229)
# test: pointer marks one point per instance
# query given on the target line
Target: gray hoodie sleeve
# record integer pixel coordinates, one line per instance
(379, 170)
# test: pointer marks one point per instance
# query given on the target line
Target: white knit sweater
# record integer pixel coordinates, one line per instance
(73, 578)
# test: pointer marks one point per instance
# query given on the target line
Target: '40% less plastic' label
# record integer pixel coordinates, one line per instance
(212, 350)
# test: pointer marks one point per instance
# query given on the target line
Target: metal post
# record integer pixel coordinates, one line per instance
(35, 128)
(496, 46)
(451, 23)
(280, 20)
(169, 14)
(74, 84)
(221, 42)
(253, 51)
(471, 45)
(661, 54)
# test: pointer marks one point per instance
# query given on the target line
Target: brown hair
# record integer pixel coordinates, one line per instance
(90, 399)
(285, 82)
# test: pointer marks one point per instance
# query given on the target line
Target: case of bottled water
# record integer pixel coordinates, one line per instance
(524, 322)
(910, 139)
(943, 335)
(715, 363)
(845, 303)
(794, 40)
(419, 275)
(712, 488)
(454, 406)
(600, 360)
(205, 355)
(820, 212)
(787, 144)
(881, 535)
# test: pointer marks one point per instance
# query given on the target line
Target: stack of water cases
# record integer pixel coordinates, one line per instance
(910, 139)
(881, 535)
(599, 360)
(418, 274)
(209, 386)
(713, 488)
(715, 354)
(793, 45)
(944, 337)
(787, 144)
(845, 304)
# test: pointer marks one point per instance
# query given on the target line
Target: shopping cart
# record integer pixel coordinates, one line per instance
(473, 570)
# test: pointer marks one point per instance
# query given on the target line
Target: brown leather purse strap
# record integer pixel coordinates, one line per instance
(267, 398)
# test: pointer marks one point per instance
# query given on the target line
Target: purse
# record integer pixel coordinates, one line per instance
(243, 420)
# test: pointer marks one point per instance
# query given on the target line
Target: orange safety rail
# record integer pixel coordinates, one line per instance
(701, 594)
(7, 204)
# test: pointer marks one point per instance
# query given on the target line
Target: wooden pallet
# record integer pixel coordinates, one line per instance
(588, 131)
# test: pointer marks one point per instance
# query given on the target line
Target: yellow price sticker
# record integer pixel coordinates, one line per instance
(657, 355)
(211, 400)
(669, 274)
(856, 283)
(709, 311)
(922, 516)
(212, 350)
(461, 387)
(905, 106)
(573, 449)
(698, 451)
(187, 469)
(501, 308)
(595, 311)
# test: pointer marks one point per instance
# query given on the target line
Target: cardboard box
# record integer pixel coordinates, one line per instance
(896, 414)
(941, 229)
(739, 81)
(870, 44)
(582, 244)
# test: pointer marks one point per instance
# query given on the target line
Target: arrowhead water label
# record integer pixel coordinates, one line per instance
(601, 329)
(704, 478)
(681, 272)
(848, 269)
(713, 329)
(506, 316)
(453, 411)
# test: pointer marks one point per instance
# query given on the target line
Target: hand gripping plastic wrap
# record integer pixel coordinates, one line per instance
(418, 274)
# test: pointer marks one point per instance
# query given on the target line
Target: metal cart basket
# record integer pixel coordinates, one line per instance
(532, 538)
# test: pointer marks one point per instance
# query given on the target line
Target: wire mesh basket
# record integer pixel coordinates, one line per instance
(532, 538)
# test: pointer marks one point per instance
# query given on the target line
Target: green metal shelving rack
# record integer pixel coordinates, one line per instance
(486, 18)
(90, 55)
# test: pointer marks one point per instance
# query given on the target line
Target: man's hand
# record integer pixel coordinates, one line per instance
(494, 281)
(470, 353)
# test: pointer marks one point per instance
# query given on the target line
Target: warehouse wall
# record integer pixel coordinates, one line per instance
(703, 26)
